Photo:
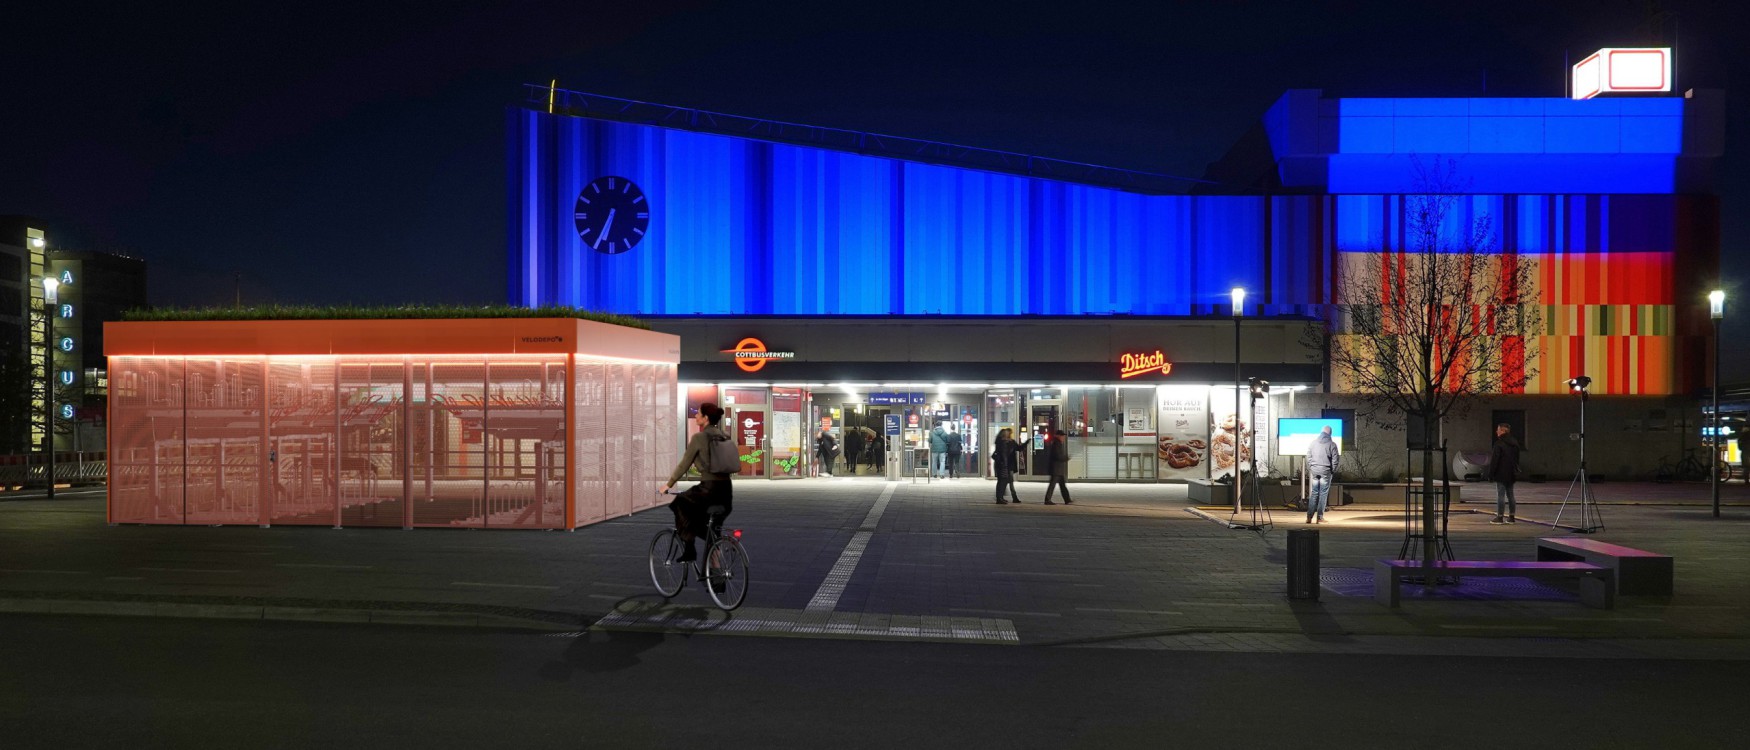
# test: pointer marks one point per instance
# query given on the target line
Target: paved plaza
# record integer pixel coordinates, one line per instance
(1126, 566)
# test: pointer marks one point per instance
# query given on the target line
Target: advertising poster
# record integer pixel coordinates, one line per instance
(750, 434)
(786, 442)
(1229, 434)
(1137, 422)
(1182, 449)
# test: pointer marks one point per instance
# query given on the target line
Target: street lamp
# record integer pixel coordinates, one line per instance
(1716, 304)
(50, 286)
(1238, 295)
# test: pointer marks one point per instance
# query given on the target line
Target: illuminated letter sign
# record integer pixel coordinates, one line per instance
(751, 355)
(1133, 365)
(1615, 69)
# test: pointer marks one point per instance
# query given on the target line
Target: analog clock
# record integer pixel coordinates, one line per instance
(612, 215)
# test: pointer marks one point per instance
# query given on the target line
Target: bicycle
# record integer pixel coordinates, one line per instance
(723, 567)
(1693, 469)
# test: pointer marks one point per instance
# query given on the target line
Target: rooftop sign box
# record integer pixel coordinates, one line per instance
(1621, 69)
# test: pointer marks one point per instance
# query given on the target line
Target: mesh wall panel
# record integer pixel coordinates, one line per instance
(224, 404)
(455, 434)
(618, 432)
(589, 396)
(656, 426)
(525, 441)
(301, 441)
(370, 396)
(145, 440)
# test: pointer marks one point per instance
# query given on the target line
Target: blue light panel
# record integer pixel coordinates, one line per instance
(749, 227)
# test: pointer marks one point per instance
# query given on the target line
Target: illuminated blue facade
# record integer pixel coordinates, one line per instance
(741, 226)
(1513, 146)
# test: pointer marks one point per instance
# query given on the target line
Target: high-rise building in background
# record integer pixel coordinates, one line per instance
(94, 287)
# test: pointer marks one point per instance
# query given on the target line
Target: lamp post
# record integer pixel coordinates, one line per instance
(50, 285)
(1716, 303)
(1238, 295)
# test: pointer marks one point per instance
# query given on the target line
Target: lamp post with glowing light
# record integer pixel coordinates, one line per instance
(50, 286)
(1238, 295)
(1716, 304)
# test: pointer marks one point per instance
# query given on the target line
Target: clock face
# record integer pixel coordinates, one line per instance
(612, 215)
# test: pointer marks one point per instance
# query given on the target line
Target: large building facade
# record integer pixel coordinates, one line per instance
(846, 282)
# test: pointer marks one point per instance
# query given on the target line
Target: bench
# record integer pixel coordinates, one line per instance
(1638, 572)
(1597, 583)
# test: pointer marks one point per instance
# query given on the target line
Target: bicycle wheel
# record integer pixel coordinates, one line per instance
(726, 573)
(668, 575)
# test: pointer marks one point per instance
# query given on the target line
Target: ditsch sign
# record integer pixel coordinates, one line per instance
(751, 355)
(1132, 365)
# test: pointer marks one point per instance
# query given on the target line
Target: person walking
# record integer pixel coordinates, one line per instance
(954, 446)
(878, 454)
(938, 451)
(1005, 459)
(1321, 463)
(853, 449)
(825, 447)
(1057, 460)
(1503, 471)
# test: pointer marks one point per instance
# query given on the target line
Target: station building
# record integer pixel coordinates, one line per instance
(837, 281)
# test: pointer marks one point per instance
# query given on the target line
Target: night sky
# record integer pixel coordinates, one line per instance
(357, 153)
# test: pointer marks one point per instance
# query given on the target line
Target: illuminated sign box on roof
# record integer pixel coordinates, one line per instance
(1619, 69)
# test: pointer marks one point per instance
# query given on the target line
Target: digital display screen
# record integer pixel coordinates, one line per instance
(1295, 434)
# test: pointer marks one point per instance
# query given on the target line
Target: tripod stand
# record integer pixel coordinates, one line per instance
(1261, 519)
(1591, 519)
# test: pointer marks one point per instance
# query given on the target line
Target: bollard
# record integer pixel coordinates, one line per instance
(1303, 564)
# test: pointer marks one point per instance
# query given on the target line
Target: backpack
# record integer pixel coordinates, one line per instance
(721, 456)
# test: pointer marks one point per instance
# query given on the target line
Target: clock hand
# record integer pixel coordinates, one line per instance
(605, 227)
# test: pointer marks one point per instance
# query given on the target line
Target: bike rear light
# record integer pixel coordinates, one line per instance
(736, 533)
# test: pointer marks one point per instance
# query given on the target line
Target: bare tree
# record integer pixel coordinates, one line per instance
(1430, 318)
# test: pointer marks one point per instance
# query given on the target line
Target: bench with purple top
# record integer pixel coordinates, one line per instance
(1638, 572)
(1597, 583)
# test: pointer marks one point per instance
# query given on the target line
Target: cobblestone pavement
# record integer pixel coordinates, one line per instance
(1126, 566)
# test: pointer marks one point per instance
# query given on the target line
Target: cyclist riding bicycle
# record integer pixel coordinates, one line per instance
(690, 506)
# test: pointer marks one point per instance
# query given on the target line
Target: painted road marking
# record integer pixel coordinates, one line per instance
(805, 624)
(52, 572)
(1130, 611)
(187, 570)
(503, 585)
(827, 596)
(1004, 612)
(324, 565)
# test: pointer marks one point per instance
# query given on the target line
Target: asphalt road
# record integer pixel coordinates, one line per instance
(141, 683)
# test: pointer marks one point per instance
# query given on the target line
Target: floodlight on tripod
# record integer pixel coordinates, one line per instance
(1590, 518)
(1261, 518)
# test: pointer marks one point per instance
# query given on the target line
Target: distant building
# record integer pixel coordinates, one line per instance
(94, 287)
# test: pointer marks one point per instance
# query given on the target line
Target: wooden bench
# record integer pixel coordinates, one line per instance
(1638, 572)
(1597, 584)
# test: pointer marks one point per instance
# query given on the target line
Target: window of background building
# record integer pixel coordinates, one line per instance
(1348, 417)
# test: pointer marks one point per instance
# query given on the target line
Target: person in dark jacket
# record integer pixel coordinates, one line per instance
(1322, 458)
(1057, 459)
(715, 489)
(1005, 459)
(954, 450)
(853, 449)
(1503, 470)
(825, 447)
(939, 451)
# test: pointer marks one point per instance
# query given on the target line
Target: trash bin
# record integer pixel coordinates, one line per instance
(1303, 564)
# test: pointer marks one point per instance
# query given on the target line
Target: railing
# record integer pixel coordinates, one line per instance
(26, 470)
